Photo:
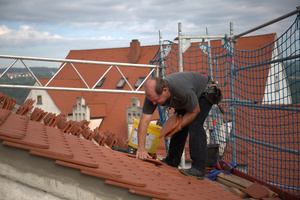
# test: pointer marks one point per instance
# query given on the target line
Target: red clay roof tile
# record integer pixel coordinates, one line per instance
(40, 141)
(117, 168)
(19, 128)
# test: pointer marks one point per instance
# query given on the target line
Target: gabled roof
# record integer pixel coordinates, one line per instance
(114, 54)
(116, 103)
(113, 103)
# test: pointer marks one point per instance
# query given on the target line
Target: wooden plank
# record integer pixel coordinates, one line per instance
(238, 192)
(235, 179)
(242, 182)
(274, 191)
(229, 183)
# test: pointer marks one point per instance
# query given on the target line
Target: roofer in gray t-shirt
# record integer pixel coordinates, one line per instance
(184, 92)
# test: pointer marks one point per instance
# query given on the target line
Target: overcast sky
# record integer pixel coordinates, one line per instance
(51, 28)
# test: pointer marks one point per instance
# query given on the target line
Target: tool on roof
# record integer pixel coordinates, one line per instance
(129, 150)
(214, 95)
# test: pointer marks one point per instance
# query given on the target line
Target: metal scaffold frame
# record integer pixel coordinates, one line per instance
(184, 42)
(64, 62)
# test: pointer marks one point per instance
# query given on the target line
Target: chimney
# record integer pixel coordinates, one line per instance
(135, 51)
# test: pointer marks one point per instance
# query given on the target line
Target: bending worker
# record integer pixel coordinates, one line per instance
(184, 91)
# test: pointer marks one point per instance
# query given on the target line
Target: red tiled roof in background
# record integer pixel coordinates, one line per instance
(97, 110)
(116, 103)
(254, 90)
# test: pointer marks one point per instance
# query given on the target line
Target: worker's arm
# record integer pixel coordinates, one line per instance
(142, 132)
(190, 116)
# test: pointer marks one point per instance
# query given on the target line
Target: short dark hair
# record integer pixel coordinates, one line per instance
(160, 84)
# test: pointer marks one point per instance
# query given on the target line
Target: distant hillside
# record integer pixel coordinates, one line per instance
(21, 94)
(40, 72)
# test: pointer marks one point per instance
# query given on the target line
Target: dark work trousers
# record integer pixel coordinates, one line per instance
(197, 139)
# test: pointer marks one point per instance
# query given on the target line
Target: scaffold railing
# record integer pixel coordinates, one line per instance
(153, 69)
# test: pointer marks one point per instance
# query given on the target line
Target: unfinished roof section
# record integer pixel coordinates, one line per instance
(148, 178)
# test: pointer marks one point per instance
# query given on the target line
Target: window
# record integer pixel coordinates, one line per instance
(39, 99)
(139, 81)
(121, 83)
(100, 83)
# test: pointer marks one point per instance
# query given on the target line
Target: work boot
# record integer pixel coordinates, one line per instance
(193, 172)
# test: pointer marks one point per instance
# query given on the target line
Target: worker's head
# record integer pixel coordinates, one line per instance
(157, 90)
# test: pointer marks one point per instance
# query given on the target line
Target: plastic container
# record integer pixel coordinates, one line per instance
(152, 138)
(212, 155)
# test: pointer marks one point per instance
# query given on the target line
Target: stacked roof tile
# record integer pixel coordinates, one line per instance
(7, 103)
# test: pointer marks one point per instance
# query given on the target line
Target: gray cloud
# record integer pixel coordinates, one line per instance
(86, 24)
(132, 11)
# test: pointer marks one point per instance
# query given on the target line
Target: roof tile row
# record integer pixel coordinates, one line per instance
(150, 178)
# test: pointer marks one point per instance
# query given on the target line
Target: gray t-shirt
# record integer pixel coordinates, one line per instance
(185, 88)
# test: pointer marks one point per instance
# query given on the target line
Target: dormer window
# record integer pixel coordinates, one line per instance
(139, 81)
(100, 83)
(121, 83)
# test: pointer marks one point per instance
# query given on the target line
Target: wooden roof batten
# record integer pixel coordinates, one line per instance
(117, 65)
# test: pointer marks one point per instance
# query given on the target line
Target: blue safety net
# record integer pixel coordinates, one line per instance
(260, 79)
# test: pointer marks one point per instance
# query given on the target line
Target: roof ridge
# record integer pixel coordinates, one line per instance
(153, 45)
(98, 49)
(260, 35)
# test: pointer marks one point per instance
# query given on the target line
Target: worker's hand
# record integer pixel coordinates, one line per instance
(142, 154)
